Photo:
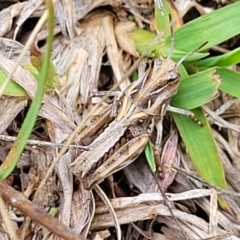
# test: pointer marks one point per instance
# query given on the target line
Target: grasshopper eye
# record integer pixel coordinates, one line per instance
(172, 76)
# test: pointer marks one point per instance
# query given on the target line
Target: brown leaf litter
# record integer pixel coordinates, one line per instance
(90, 40)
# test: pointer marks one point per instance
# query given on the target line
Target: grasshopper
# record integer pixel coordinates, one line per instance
(126, 135)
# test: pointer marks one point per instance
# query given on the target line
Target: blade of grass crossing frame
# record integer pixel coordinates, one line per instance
(208, 27)
(202, 149)
(12, 158)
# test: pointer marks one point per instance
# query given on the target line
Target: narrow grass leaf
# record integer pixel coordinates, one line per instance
(150, 156)
(214, 28)
(202, 149)
(224, 60)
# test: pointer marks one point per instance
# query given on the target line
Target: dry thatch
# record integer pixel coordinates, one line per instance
(90, 52)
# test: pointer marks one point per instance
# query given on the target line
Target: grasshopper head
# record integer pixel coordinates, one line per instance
(156, 87)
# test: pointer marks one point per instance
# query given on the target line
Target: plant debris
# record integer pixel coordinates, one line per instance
(91, 52)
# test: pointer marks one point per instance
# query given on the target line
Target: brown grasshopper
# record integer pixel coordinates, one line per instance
(124, 138)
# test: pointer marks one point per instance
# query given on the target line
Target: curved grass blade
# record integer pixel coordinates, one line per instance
(12, 158)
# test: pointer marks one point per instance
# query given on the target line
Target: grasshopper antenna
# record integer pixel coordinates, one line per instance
(172, 38)
(190, 53)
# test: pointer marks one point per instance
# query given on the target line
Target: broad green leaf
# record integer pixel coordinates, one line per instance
(230, 81)
(32, 70)
(13, 89)
(202, 149)
(196, 90)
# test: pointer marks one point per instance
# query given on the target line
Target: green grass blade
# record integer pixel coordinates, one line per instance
(12, 88)
(214, 28)
(196, 90)
(149, 153)
(225, 60)
(161, 22)
(230, 81)
(12, 158)
(202, 148)
(143, 39)
(208, 28)
(15, 90)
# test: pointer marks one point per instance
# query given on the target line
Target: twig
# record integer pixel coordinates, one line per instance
(42, 143)
(18, 200)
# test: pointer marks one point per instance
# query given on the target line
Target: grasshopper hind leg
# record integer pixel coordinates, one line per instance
(187, 113)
